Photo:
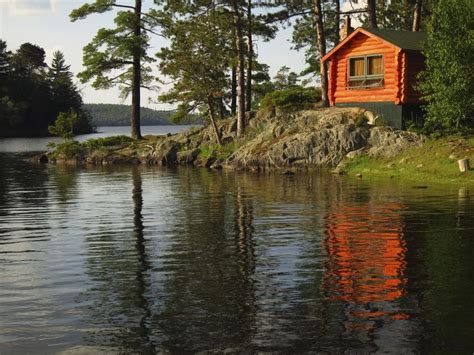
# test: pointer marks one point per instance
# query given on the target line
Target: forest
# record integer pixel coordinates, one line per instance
(119, 115)
(33, 93)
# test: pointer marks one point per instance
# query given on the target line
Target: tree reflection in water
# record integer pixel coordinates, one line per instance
(143, 263)
(118, 264)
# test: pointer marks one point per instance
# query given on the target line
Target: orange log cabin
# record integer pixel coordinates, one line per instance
(377, 69)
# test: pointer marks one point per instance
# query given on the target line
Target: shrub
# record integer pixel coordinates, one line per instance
(68, 149)
(291, 99)
(216, 151)
(63, 125)
(112, 141)
(360, 120)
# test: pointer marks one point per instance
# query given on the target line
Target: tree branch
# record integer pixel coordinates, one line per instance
(123, 6)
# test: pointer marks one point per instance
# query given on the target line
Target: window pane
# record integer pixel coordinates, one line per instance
(374, 65)
(356, 67)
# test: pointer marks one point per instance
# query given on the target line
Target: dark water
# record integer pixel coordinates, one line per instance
(145, 260)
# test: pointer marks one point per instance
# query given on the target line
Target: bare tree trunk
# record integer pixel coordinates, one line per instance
(212, 118)
(337, 21)
(417, 16)
(233, 93)
(248, 95)
(371, 9)
(240, 69)
(136, 82)
(322, 52)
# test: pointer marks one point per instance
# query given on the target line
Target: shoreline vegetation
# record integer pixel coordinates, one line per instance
(337, 139)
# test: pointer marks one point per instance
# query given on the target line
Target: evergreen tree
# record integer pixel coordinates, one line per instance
(31, 97)
(4, 61)
(58, 69)
(196, 61)
(64, 94)
(448, 80)
(285, 78)
(118, 56)
(29, 60)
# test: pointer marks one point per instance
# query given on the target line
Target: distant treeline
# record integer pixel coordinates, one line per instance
(119, 115)
(32, 93)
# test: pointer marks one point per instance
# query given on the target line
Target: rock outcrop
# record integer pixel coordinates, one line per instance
(320, 138)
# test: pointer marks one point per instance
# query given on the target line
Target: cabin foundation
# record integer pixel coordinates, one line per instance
(397, 116)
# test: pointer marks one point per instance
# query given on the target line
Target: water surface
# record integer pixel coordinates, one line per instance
(14, 145)
(136, 260)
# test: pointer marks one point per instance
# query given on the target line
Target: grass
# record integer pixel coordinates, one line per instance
(217, 151)
(113, 141)
(434, 162)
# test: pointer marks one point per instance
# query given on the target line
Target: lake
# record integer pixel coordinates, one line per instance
(149, 260)
(13, 145)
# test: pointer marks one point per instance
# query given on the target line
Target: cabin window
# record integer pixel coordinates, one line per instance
(365, 72)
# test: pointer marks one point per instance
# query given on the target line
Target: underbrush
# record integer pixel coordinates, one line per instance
(67, 149)
(291, 99)
(219, 152)
(113, 141)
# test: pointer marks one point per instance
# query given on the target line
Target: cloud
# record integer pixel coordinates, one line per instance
(28, 7)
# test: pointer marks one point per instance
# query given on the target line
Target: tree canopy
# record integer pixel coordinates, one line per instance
(448, 81)
(32, 94)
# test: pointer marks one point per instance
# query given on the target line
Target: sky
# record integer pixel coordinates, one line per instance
(46, 23)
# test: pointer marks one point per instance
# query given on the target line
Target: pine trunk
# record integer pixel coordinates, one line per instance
(239, 44)
(417, 16)
(248, 105)
(233, 93)
(337, 21)
(371, 9)
(136, 82)
(212, 118)
(322, 52)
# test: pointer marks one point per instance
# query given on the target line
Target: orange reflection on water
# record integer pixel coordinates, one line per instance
(366, 258)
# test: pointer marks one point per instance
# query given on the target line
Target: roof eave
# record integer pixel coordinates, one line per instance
(348, 38)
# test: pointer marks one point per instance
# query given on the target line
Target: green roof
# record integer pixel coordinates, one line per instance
(403, 39)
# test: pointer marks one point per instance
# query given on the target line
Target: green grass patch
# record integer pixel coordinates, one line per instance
(434, 162)
(113, 141)
(217, 151)
(67, 149)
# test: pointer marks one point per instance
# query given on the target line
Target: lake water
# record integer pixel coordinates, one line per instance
(13, 145)
(148, 260)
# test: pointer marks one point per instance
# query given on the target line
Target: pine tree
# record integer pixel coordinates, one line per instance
(197, 61)
(118, 56)
(58, 68)
(65, 96)
(4, 60)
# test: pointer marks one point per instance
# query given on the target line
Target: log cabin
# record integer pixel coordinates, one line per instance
(377, 69)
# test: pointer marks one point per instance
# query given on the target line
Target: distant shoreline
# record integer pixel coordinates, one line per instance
(23, 134)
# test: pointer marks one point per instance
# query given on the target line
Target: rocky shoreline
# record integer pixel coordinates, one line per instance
(319, 138)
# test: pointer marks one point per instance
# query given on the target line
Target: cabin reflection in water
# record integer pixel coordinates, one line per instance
(366, 269)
